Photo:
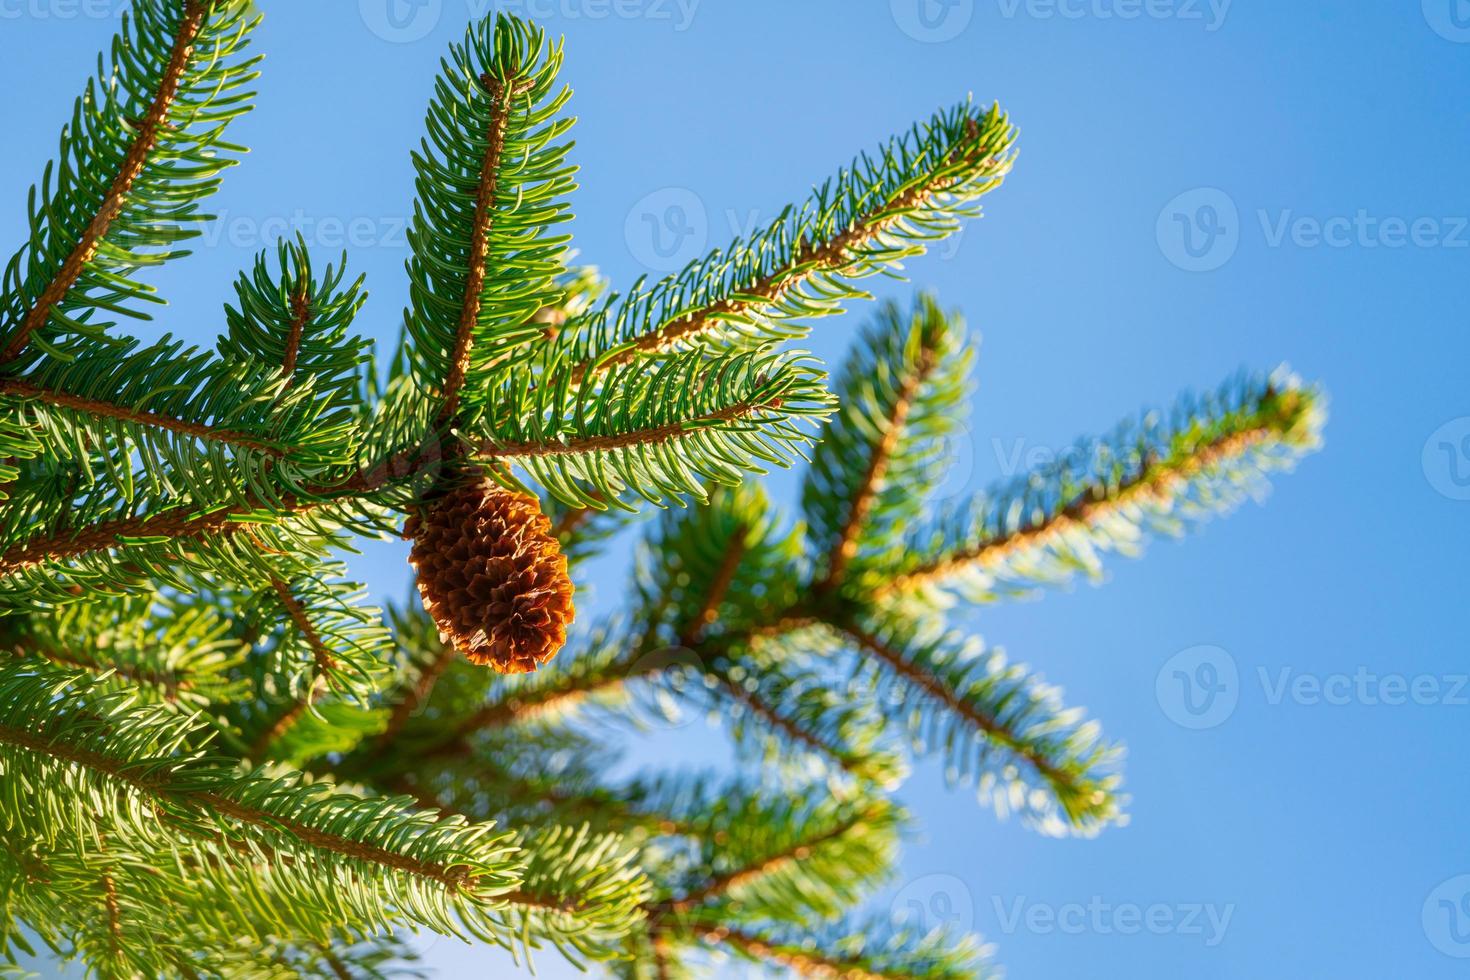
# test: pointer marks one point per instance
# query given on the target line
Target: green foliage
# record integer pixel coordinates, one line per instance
(219, 761)
(145, 144)
(1158, 474)
(903, 396)
(662, 431)
(491, 256)
(885, 207)
(994, 724)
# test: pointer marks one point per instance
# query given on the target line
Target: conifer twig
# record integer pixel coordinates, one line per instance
(459, 359)
(815, 258)
(845, 547)
(992, 728)
(722, 884)
(803, 963)
(146, 132)
(1158, 481)
(23, 389)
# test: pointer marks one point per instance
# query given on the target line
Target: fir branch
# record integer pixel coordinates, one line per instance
(179, 421)
(146, 132)
(321, 656)
(1047, 524)
(800, 962)
(934, 687)
(866, 950)
(901, 395)
(491, 182)
(300, 316)
(284, 721)
(163, 786)
(845, 547)
(144, 146)
(157, 647)
(997, 726)
(660, 432)
(23, 389)
(719, 588)
(469, 315)
(881, 210)
(96, 744)
(170, 686)
(735, 879)
(794, 731)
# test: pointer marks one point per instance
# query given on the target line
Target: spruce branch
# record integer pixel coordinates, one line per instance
(487, 262)
(141, 151)
(447, 874)
(1151, 475)
(997, 726)
(857, 950)
(660, 432)
(194, 422)
(25, 390)
(882, 209)
(901, 394)
(170, 617)
(146, 132)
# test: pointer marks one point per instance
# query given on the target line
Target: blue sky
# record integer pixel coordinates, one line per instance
(1201, 186)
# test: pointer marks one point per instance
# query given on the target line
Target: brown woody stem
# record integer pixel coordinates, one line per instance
(469, 314)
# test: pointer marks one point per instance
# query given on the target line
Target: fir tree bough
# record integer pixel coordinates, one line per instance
(216, 760)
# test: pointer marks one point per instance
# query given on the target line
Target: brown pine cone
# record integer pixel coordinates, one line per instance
(492, 575)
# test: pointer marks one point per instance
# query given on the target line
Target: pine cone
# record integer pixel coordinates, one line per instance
(493, 576)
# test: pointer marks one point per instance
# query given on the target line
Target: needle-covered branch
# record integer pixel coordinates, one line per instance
(902, 395)
(492, 181)
(884, 208)
(1155, 475)
(871, 949)
(219, 761)
(659, 431)
(145, 145)
(995, 724)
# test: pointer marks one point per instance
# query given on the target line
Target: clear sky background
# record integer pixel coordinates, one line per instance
(1200, 187)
